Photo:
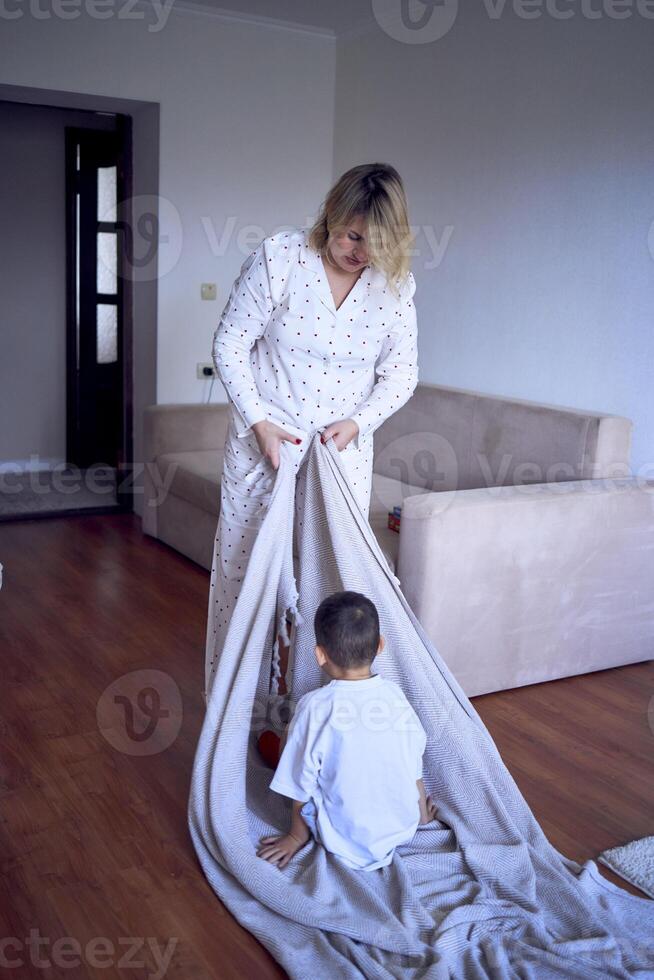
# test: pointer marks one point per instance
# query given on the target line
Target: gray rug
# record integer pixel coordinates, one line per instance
(480, 892)
(50, 491)
(634, 862)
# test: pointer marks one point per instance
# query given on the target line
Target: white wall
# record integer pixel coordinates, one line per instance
(245, 139)
(534, 141)
(531, 139)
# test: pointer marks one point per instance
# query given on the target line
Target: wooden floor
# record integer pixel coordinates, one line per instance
(93, 830)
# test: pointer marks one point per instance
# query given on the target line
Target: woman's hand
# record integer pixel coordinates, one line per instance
(269, 436)
(341, 432)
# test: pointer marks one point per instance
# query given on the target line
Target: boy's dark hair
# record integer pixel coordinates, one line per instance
(346, 625)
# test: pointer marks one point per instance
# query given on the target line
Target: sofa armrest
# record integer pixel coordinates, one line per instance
(176, 428)
(612, 453)
(521, 584)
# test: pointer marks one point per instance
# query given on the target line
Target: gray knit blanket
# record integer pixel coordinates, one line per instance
(479, 892)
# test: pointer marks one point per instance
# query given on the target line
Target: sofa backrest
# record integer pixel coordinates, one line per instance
(447, 438)
(178, 428)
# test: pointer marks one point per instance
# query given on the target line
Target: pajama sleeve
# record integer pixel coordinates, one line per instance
(297, 771)
(396, 368)
(242, 322)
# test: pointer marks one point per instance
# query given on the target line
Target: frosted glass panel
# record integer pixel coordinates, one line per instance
(106, 193)
(106, 262)
(107, 333)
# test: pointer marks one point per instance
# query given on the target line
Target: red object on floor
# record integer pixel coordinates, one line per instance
(269, 748)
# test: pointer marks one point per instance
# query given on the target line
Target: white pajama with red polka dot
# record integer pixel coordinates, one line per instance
(286, 354)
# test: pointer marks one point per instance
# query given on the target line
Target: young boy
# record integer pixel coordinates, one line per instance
(352, 763)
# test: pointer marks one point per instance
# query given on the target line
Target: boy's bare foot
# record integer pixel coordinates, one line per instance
(280, 850)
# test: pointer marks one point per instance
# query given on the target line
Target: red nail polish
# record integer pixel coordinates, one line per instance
(298, 440)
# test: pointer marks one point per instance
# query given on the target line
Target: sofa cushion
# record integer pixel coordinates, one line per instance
(194, 476)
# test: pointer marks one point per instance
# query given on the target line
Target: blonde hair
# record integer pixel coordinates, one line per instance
(374, 191)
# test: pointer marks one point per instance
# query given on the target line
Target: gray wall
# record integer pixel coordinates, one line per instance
(530, 143)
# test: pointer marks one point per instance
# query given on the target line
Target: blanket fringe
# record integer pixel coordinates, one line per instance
(276, 672)
(283, 634)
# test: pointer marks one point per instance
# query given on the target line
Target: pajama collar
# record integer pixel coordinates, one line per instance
(370, 279)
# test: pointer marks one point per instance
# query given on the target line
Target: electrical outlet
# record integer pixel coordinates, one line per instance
(205, 371)
(208, 290)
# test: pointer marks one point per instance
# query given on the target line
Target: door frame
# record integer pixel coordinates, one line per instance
(124, 188)
(143, 180)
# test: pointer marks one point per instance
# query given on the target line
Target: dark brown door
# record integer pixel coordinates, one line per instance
(95, 309)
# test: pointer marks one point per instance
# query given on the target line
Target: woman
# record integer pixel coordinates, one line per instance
(319, 333)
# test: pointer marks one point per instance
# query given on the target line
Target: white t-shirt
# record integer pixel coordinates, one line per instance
(355, 748)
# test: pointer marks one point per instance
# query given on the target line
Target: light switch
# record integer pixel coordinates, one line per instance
(208, 290)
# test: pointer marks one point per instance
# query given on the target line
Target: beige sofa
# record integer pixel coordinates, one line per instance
(526, 548)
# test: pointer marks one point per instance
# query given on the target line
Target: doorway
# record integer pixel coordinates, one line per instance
(98, 381)
(66, 444)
